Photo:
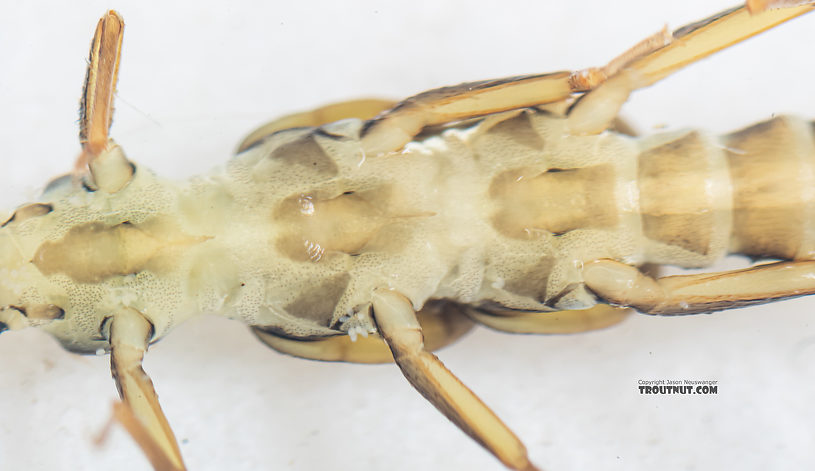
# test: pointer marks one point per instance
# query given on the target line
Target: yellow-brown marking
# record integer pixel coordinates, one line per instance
(94, 252)
(771, 166)
(557, 201)
(675, 204)
(313, 227)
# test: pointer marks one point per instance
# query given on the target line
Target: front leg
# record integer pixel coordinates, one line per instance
(141, 414)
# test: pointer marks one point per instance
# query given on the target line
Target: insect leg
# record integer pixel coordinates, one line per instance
(646, 63)
(574, 321)
(762, 5)
(109, 169)
(594, 112)
(130, 334)
(365, 108)
(624, 285)
(442, 324)
(397, 323)
(558, 322)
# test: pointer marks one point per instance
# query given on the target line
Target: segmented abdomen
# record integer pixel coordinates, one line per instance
(506, 210)
(772, 167)
(682, 198)
(750, 192)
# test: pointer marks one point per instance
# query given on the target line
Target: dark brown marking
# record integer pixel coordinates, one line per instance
(493, 308)
(305, 152)
(266, 138)
(690, 28)
(552, 302)
(318, 303)
(104, 330)
(20, 309)
(519, 129)
(532, 281)
(287, 332)
(47, 311)
(336, 137)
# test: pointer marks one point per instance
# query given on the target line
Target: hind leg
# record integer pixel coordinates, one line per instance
(558, 322)
(623, 285)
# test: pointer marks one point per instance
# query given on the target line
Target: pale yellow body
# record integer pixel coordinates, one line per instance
(295, 233)
(300, 235)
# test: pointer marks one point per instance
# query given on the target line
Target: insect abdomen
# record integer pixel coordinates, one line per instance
(547, 202)
(750, 192)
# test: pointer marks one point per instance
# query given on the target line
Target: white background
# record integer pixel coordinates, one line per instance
(197, 76)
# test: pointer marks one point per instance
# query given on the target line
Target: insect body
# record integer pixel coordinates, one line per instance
(131, 154)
